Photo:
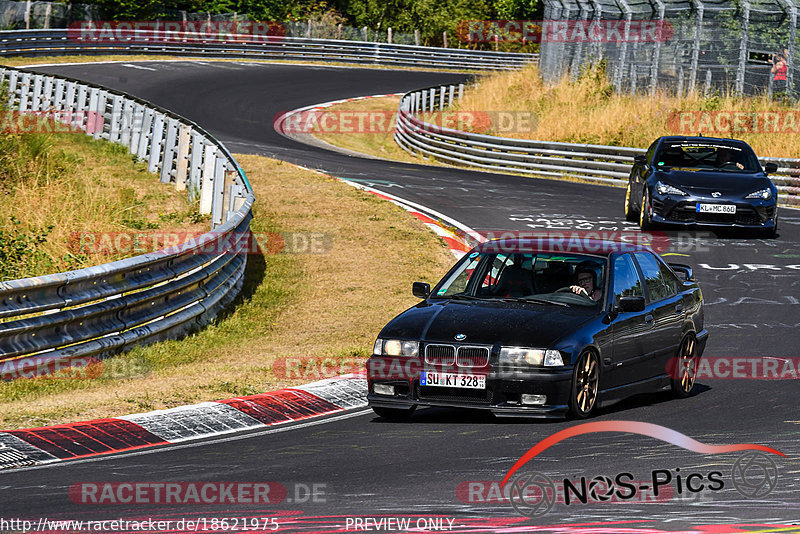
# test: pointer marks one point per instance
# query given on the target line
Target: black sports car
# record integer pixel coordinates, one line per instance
(687, 181)
(527, 327)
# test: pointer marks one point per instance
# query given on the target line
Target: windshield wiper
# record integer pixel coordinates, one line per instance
(531, 299)
(463, 297)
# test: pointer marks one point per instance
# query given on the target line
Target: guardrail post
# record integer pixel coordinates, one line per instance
(13, 81)
(196, 166)
(460, 90)
(207, 182)
(24, 92)
(116, 119)
(182, 158)
(424, 97)
(452, 95)
(58, 96)
(46, 103)
(102, 100)
(441, 98)
(433, 99)
(140, 149)
(227, 191)
(126, 123)
(155, 147)
(170, 143)
(218, 187)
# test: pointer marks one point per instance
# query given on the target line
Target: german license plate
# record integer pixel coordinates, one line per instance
(452, 380)
(715, 208)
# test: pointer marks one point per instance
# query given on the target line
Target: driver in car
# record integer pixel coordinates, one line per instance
(586, 279)
(726, 157)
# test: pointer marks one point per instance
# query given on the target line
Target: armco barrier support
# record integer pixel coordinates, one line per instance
(93, 312)
(542, 158)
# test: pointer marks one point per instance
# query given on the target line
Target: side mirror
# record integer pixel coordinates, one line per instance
(631, 304)
(771, 168)
(684, 271)
(640, 160)
(421, 290)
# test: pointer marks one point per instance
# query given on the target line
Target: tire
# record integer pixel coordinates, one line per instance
(644, 211)
(684, 372)
(394, 414)
(771, 233)
(630, 213)
(585, 385)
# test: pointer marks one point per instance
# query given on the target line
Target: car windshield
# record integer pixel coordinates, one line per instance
(548, 278)
(698, 156)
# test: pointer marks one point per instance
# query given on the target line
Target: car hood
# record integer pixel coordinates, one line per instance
(705, 182)
(489, 323)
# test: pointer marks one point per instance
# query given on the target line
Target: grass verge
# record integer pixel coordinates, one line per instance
(55, 187)
(590, 111)
(308, 305)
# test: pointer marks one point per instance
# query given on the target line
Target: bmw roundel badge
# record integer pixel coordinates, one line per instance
(461, 337)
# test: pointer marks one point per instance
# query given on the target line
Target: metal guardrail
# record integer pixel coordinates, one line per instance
(94, 312)
(541, 158)
(62, 42)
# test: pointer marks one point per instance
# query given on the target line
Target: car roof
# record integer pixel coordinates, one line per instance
(701, 139)
(560, 245)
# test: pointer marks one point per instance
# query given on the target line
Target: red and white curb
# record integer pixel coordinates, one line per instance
(278, 123)
(36, 446)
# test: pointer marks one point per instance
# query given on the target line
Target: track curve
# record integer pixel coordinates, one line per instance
(370, 468)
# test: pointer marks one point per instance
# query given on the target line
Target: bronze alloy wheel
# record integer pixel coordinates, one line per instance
(685, 371)
(644, 211)
(630, 214)
(585, 385)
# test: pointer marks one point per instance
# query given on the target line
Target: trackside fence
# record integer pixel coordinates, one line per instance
(542, 158)
(61, 42)
(98, 311)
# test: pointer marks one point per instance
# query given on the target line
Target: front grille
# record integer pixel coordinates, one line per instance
(440, 354)
(483, 396)
(471, 357)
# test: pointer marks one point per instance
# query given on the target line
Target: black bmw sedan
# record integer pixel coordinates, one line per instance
(702, 181)
(541, 327)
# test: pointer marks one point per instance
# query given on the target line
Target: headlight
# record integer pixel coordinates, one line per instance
(666, 189)
(396, 347)
(766, 194)
(520, 355)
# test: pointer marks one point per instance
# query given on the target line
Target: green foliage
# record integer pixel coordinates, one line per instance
(19, 249)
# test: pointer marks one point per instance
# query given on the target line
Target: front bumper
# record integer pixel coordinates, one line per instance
(502, 394)
(681, 211)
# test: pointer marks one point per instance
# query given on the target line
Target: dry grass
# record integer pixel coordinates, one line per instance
(57, 186)
(328, 304)
(589, 111)
(378, 143)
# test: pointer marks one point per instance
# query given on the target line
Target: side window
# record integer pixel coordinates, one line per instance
(500, 262)
(626, 279)
(651, 152)
(657, 287)
(459, 284)
(671, 282)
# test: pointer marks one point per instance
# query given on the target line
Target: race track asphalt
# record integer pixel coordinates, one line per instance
(372, 468)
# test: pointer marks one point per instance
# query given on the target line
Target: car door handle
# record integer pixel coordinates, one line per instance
(648, 318)
(679, 308)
